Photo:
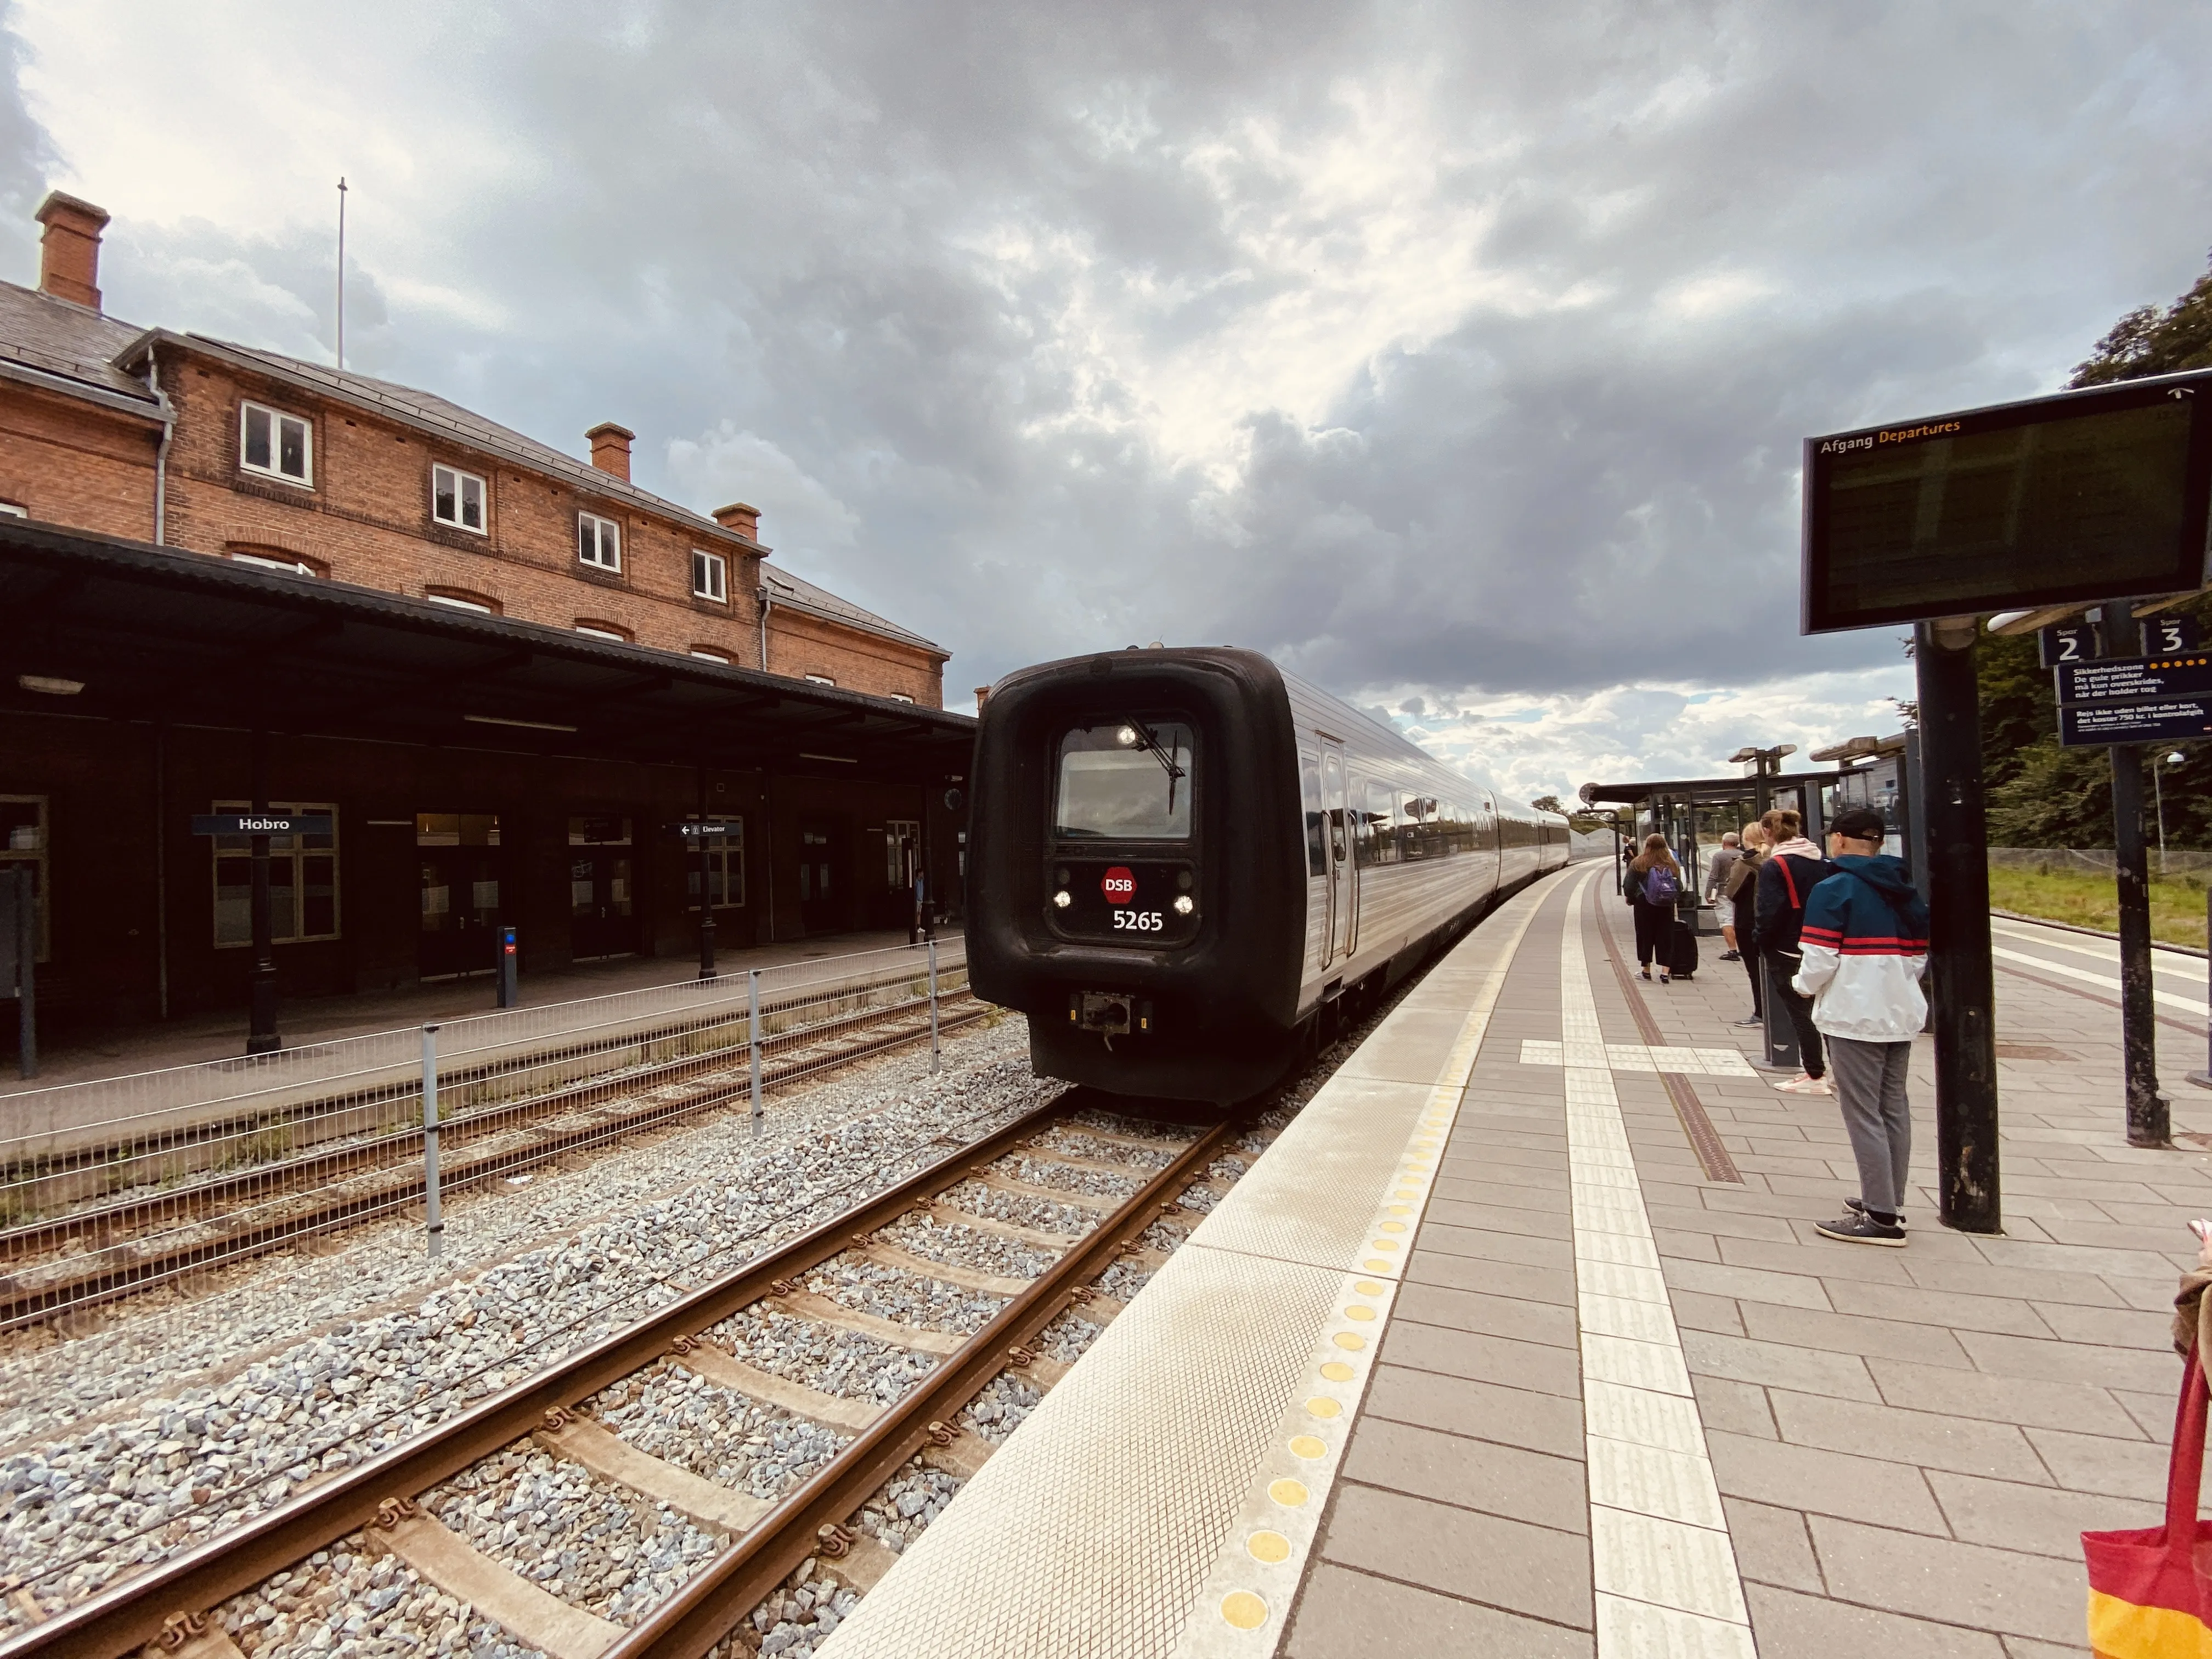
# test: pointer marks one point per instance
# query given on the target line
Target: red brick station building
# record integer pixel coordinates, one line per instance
(232, 578)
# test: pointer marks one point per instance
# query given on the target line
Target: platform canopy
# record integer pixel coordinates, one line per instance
(99, 626)
(1692, 790)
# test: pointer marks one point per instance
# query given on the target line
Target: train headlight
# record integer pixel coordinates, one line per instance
(1127, 736)
(1062, 899)
(1184, 906)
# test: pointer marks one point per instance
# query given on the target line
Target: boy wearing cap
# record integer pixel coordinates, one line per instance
(1865, 942)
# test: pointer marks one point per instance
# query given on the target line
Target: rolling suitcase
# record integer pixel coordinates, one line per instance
(1683, 956)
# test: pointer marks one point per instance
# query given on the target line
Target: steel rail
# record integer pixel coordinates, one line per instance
(22, 1304)
(711, 1601)
(127, 1616)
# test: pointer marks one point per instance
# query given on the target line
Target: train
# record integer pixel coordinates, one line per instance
(1188, 868)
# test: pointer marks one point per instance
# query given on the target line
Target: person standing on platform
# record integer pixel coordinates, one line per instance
(1865, 947)
(1741, 892)
(1787, 877)
(1654, 887)
(1716, 874)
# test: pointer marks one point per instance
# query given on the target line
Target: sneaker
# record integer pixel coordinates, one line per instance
(1857, 1206)
(1646, 970)
(1666, 979)
(1804, 1085)
(1731, 956)
(1861, 1229)
(1751, 1019)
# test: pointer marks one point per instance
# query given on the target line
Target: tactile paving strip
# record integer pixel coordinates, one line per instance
(1159, 1465)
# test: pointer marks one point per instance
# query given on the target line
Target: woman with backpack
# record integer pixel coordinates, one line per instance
(1786, 880)
(1740, 888)
(1654, 886)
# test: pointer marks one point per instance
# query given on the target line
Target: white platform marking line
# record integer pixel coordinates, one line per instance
(2163, 957)
(1661, 1561)
(2068, 971)
(1636, 1057)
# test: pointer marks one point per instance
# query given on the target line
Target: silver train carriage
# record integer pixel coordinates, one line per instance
(1187, 867)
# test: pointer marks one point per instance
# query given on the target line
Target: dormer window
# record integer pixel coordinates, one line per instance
(598, 542)
(275, 444)
(457, 498)
(710, 576)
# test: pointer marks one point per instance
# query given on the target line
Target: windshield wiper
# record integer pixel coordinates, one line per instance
(1151, 745)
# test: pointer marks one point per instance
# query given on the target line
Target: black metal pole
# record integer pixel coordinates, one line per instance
(2150, 1120)
(27, 970)
(706, 888)
(261, 1033)
(2203, 1079)
(1960, 968)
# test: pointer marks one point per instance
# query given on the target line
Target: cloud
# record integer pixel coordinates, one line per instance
(1448, 352)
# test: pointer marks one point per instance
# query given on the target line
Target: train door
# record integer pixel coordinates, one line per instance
(1342, 888)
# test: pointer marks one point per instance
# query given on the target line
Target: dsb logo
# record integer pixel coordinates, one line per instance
(1119, 884)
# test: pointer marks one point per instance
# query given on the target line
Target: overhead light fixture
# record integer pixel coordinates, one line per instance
(47, 686)
(841, 760)
(527, 725)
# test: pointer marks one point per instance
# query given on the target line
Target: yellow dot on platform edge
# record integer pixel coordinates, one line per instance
(1392, 1227)
(1376, 1266)
(1382, 1244)
(1307, 1446)
(1268, 1546)
(1402, 1209)
(1337, 1371)
(1359, 1312)
(1289, 1493)
(1244, 1610)
(1366, 1287)
(1349, 1342)
(1323, 1406)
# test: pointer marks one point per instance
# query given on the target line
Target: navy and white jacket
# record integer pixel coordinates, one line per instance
(1865, 941)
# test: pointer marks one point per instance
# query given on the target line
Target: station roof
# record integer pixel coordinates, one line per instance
(152, 632)
(1627, 794)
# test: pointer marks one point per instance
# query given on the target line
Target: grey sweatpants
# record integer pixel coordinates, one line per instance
(1869, 1080)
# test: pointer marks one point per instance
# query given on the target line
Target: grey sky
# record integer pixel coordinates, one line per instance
(1457, 355)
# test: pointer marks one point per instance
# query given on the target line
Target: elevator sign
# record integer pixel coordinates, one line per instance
(1119, 884)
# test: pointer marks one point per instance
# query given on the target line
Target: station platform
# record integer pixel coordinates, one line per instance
(87, 1056)
(1519, 1340)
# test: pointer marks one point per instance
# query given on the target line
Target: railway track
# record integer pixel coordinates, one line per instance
(1100, 1190)
(234, 1216)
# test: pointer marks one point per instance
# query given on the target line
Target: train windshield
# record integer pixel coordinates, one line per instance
(1124, 780)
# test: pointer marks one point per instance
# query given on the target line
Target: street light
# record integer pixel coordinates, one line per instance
(2158, 793)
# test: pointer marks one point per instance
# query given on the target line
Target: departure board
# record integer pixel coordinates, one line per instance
(2082, 496)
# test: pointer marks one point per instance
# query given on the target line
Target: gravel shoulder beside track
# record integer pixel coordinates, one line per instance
(198, 1415)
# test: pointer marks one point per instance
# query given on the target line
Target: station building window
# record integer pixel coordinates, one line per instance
(819, 679)
(901, 696)
(603, 630)
(303, 880)
(454, 599)
(598, 542)
(275, 444)
(457, 498)
(23, 842)
(15, 510)
(710, 576)
(902, 848)
(273, 558)
(726, 868)
(705, 655)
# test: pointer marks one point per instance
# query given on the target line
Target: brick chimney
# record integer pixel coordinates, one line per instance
(739, 519)
(983, 697)
(69, 257)
(610, 448)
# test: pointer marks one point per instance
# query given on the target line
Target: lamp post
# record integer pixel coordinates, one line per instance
(2158, 792)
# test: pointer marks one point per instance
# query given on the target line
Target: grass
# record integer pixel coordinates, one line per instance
(2089, 900)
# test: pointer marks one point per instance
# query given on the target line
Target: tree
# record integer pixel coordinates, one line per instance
(2040, 794)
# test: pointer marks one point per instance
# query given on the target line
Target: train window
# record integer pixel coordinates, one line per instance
(1378, 837)
(1124, 780)
(1316, 834)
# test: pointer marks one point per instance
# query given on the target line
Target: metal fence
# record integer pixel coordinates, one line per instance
(2100, 860)
(127, 1182)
